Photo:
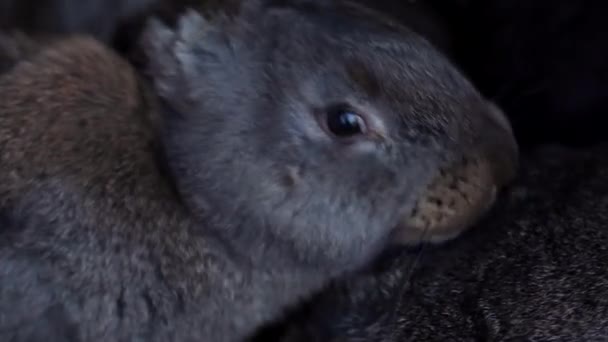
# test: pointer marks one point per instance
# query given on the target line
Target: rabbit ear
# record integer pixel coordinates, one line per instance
(177, 56)
(158, 42)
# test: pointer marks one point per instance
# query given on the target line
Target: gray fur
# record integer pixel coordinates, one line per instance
(250, 206)
(535, 270)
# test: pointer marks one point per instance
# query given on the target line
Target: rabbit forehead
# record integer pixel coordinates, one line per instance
(341, 54)
(404, 94)
(374, 63)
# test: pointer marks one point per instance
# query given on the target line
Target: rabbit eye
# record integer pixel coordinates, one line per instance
(344, 122)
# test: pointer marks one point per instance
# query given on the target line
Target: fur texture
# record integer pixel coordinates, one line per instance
(542, 62)
(535, 270)
(211, 217)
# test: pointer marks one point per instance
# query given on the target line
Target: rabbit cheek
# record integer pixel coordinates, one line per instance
(452, 203)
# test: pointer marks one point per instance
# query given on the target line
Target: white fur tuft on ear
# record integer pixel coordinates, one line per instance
(158, 43)
(190, 25)
(183, 59)
(175, 55)
(197, 42)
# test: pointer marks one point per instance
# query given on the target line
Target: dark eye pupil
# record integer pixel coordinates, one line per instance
(344, 123)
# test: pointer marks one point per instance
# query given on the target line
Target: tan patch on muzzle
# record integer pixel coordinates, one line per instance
(457, 198)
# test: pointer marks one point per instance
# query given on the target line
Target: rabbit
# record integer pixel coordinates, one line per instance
(264, 151)
(532, 270)
(541, 62)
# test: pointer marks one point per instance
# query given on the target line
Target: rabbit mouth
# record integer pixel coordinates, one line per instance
(454, 201)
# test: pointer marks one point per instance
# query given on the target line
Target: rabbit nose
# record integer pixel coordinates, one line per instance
(465, 189)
